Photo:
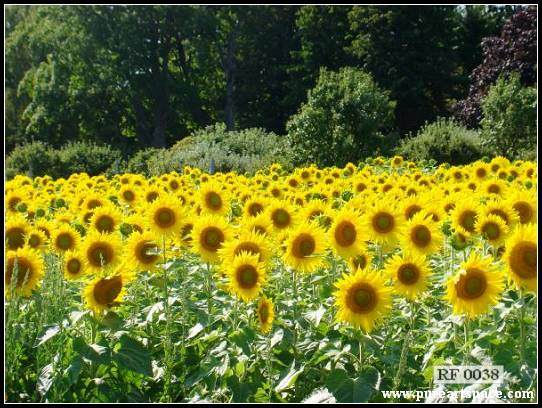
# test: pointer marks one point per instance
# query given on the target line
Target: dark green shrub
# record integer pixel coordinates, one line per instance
(444, 141)
(344, 120)
(88, 157)
(33, 159)
(139, 162)
(509, 118)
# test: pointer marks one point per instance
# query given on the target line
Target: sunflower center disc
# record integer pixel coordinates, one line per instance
(474, 286)
(491, 231)
(529, 256)
(363, 298)
(74, 266)
(383, 222)
(64, 241)
(165, 217)
(34, 241)
(247, 277)
(105, 224)
(214, 200)
(422, 235)
(212, 238)
(282, 217)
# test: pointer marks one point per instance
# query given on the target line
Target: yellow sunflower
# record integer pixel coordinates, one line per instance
(346, 234)
(74, 265)
(246, 276)
(36, 239)
(103, 293)
(362, 299)
(101, 251)
(409, 273)
(214, 199)
(142, 251)
(305, 247)
(208, 235)
(16, 230)
(266, 314)
(464, 216)
(382, 224)
(520, 257)
(249, 241)
(421, 234)
(492, 228)
(475, 287)
(26, 266)
(106, 219)
(164, 216)
(65, 238)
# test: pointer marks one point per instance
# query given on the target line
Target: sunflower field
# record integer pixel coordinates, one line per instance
(316, 285)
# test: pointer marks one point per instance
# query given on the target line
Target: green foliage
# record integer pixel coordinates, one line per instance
(138, 163)
(509, 118)
(444, 141)
(39, 159)
(242, 151)
(344, 120)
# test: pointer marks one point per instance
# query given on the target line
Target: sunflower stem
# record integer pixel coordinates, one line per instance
(294, 286)
(167, 344)
(467, 346)
(404, 349)
(522, 327)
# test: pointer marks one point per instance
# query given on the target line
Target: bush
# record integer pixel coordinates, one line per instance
(139, 162)
(509, 120)
(38, 159)
(242, 151)
(344, 120)
(444, 141)
(33, 159)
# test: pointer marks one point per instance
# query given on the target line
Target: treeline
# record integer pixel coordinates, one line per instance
(148, 76)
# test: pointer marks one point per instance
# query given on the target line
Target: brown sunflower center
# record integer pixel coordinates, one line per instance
(247, 246)
(303, 246)
(213, 200)
(151, 196)
(34, 241)
(247, 276)
(164, 217)
(64, 241)
(15, 238)
(105, 224)
(107, 290)
(500, 213)
(128, 195)
(494, 189)
(100, 254)
(146, 252)
(360, 261)
(24, 271)
(345, 234)
(481, 172)
(523, 259)
(263, 311)
(281, 218)
(467, 220)
(491, 231)
(361, 298)
(525, 211)
(420, 236)
(212, 238)
(73, 266)
(471, 285)
(93, 204)
(383, 222)
(408, 274)
(255, 209)
(412, 210)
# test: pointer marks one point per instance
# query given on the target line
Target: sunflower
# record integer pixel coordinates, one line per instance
(492, 228)
(520, 257)
(319, 211)
(421, 234)
(254, 206)
(282, 215)
(208, 235)
(360, 261)
(101, 251)
(26, 265)
(475, 287)
(214, 199)
(346, 234)
(142, 251)
(266, 314)
(362, 299)
(260, 224)
(106, 219)
(409, 273)
(382, 224)
(129, 195)
(65, 238)
(524, 204)
(464, 216)
(16, 230)
(36, 239)
(246, 275)
(248, 240)
(74, 265)
(103, 293)
(502, 209)
(305, 248)
(164, 216)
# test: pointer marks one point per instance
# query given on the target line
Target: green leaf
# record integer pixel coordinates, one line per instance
(360, 389)
(289, 379)
(133, 356)
(277, 337)
(320, 396)
(94, 352)
(49, 334)
(45, 379)
(72, 372)
(194, 331)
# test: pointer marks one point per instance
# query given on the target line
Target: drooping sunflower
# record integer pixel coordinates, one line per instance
(492, 228)
(65, 238)
(421, 234)
(101, 251)
(74, 265)
(382, 223)
(520, 257)
(246, 276)
(409, 273)
(26, 266)
(164, 216)
(103, 293)
(208, 235)
(362, 299)
(305, 248)
(106, 219)
(214, 199)
(475, 287)
(346, 234)
(142, 251)
(266, 314)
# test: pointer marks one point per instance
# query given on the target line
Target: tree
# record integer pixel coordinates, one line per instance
(347, 118)
(513, 51)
